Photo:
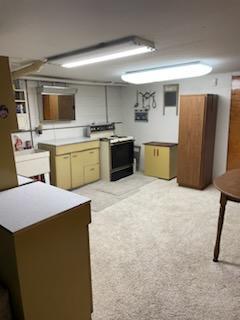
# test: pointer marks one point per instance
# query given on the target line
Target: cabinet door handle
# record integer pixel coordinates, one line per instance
(66, 157)
(91, 152)
(154, 152)
(92, 169)
(74, 156)
(157, 152)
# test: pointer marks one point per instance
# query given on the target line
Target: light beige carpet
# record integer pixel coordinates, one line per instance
(151, 257)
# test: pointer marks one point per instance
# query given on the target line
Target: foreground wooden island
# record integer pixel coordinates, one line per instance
(44, 252)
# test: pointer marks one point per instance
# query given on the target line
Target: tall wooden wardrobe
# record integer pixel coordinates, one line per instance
(197, 126)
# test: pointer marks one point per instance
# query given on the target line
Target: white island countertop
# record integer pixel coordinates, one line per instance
(62, 142)
(32, 203)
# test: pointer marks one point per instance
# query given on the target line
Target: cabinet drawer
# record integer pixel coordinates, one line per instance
(90, 157)
(91, 173)
(77, 147)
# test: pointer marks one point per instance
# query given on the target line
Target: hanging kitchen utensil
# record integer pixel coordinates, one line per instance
(154, 103)
(137, 103)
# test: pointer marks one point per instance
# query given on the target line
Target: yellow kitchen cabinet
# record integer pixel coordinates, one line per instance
(77, 169)
(91, 173)
(63, 171)
(73, 164)
(45, 254)
(160, 160)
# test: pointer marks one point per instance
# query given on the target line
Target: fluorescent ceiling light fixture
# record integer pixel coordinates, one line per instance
(112, 50)
(182, 71)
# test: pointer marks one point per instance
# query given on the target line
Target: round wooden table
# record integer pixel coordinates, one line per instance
(229, 186)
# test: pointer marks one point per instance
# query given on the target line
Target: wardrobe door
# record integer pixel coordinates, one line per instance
(191, 126)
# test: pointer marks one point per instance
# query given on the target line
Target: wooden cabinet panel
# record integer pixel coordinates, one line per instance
(63, 171)
(77, 169)
(192, 110)
(233, 160)
(197, 124)
(91, 173)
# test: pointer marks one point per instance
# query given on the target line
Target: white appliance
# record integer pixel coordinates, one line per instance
(116, 152)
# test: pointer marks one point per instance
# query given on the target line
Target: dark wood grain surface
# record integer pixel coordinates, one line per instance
(229, 183)
(197, 124)
(233, 161)
(161, 144)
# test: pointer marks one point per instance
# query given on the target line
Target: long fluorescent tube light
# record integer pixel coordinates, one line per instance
(116, 49)
(182, 71)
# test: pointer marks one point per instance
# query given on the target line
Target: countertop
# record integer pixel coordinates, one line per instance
(161, 144)
(32, 203)
(62, 142)
(23, 180)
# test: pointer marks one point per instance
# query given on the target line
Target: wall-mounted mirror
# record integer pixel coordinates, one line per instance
(56, 103)
(58, 107)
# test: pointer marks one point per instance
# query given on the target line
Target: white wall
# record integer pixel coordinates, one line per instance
(165, 128)
(90, 107)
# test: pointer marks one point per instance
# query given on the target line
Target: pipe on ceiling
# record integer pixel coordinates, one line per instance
(73, 81)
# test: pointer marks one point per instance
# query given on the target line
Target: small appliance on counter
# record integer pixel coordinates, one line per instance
(97, 131)
(117, 157)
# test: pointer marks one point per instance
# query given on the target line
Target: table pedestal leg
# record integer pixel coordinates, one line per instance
(223, 201)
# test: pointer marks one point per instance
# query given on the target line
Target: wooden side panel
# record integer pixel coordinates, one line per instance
(192, 109)
(54, 267)
(173, 162)
(209, 140)
(233, 160)
(9, 273)
(8, 123)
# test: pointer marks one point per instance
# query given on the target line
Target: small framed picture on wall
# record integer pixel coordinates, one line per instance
(170, 97)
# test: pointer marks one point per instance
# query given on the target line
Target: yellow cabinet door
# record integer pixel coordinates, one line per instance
(91, 173)
(63, 171)
(150, 161)
(77, 169)
(156, 161)
(163, 160)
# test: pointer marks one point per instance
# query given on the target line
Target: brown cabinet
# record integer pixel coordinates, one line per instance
(197, 126)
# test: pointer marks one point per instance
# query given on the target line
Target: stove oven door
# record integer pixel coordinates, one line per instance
(122, 154)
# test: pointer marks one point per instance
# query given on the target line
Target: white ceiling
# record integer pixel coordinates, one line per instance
(183, 31)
